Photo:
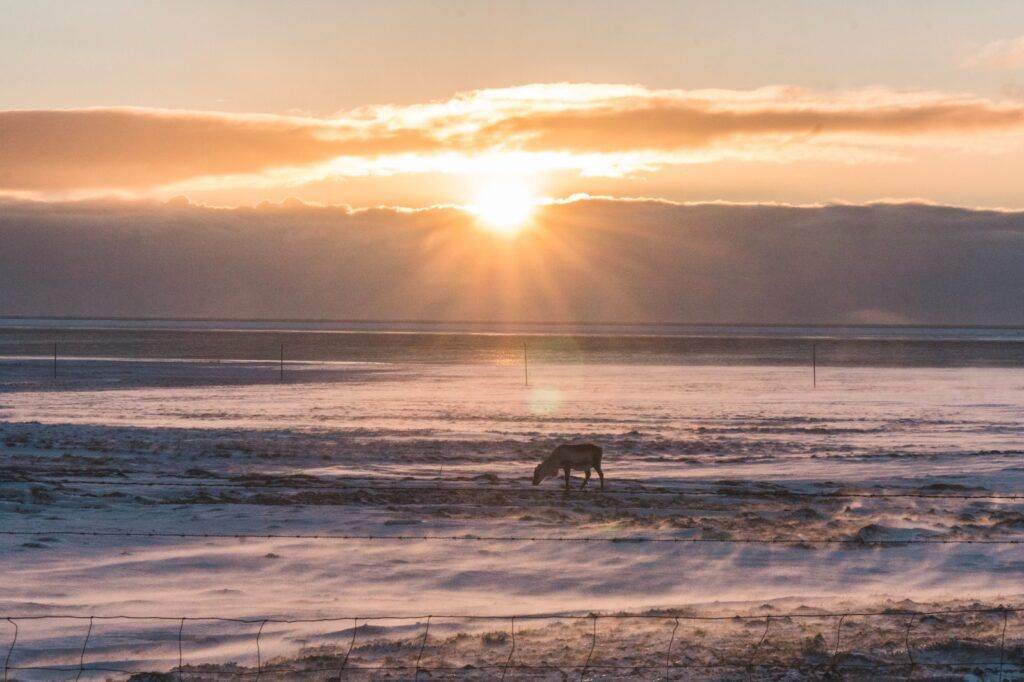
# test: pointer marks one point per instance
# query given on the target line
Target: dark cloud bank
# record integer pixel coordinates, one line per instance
(592, 260)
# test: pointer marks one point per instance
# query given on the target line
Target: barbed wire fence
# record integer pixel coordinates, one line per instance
(832, 657)
(666, 665)
(267, 361)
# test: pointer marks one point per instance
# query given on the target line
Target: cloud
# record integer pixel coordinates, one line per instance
(595, 129)
(999, 54)
(127, 148)
(587, 259)
(673, 126)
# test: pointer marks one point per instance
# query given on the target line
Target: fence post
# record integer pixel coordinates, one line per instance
(423, 646)
(281, 371)
(81, 658)
(508, 661)
(671, 641)
(344, 661)
(814, 364)
(259, 656)
(593, 645)
(181, 628)
(910, 652)
(526, 367)
(54, 359)
(10, 652)
(757, 647)
(839, 627)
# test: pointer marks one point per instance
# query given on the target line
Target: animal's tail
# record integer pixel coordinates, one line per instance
(597, 456)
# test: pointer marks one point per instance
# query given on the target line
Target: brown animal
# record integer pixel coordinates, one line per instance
(581, 457)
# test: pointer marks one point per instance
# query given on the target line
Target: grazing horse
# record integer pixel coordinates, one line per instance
(581, 457)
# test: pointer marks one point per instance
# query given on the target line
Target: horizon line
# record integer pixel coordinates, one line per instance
(496, 323)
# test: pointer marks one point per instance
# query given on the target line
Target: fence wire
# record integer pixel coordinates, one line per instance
(752, 663)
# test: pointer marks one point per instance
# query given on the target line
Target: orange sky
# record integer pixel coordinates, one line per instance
(776, 143)
(417, 104)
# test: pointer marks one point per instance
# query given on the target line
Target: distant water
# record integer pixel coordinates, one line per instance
(469, 342)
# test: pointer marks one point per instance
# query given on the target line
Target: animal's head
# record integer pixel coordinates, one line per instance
(543, 470)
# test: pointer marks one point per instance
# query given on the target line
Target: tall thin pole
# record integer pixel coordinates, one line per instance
(526, 367)
(814, 364)
(281, 370)
(54, 359)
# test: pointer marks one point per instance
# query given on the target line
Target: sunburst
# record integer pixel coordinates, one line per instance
(504, 206)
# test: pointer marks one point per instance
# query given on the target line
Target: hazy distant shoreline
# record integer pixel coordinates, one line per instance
(697, 330)
(86, 340)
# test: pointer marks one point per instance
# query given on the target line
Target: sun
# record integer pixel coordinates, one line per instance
(504, 206)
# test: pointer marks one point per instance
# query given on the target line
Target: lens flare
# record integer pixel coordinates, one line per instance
(545, 400)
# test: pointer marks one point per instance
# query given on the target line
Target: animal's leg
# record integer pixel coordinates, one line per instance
(567, 470)
(601, 475)
(586, 478)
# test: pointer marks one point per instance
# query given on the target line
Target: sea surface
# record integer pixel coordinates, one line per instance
(478, 342)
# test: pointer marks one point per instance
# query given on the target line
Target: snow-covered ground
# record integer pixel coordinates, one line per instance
(722, 455)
